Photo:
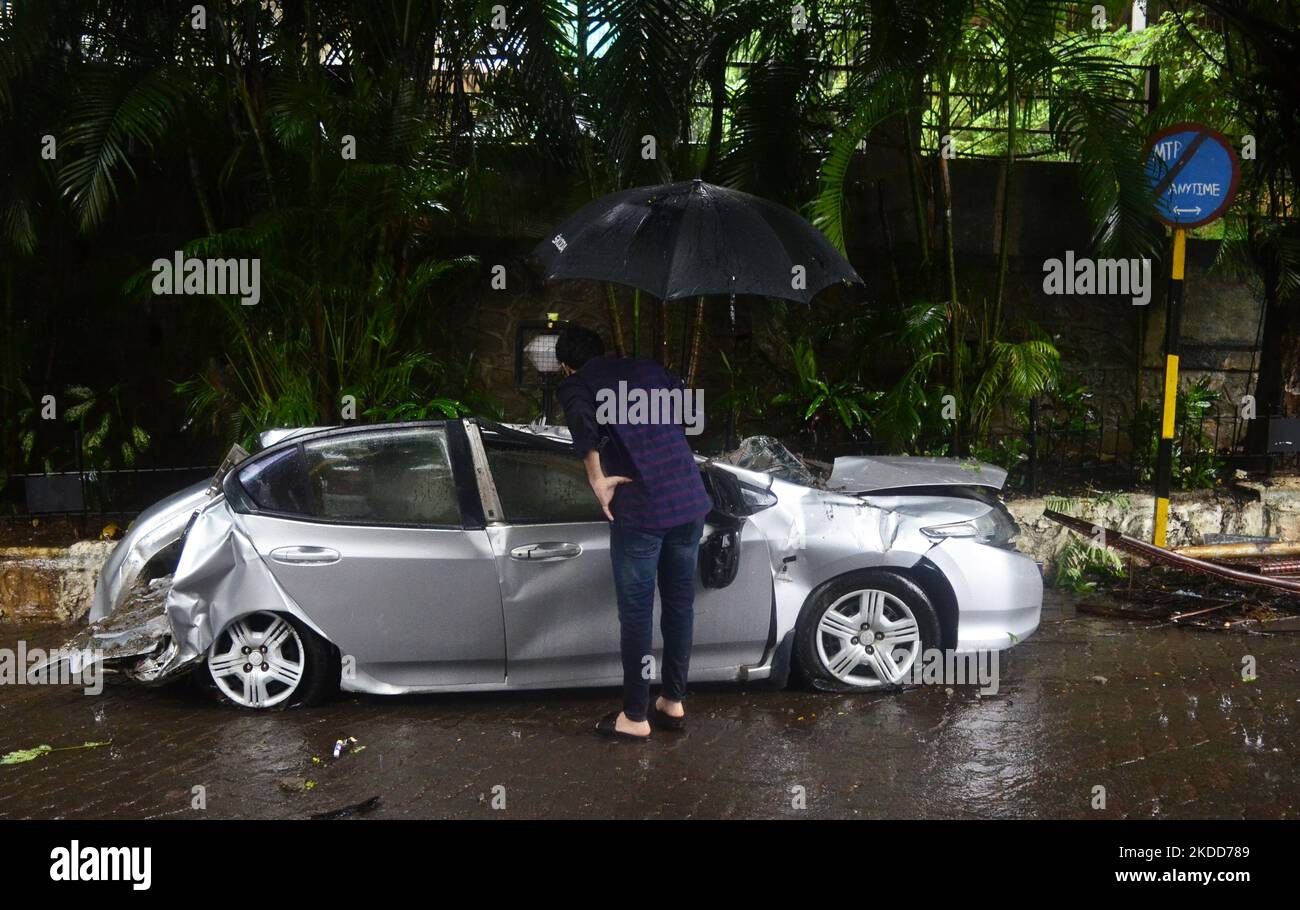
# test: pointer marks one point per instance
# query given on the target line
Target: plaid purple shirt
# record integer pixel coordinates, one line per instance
(666, 490)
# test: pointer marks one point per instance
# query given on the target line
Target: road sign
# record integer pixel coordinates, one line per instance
(1194, 173)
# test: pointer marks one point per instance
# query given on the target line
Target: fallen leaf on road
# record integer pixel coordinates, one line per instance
(24, 755)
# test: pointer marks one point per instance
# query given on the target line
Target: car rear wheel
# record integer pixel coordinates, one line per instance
(865, 630)
(265, 660)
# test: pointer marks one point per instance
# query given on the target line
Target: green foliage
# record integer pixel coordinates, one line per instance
(110, 435)
(744, 396)
(817, 400)
(995, 375)
(109, 438)
(112, 114)
(1081, 563)
(239, 128)
(1006, 453)
(1100, 499)
(1196, 466)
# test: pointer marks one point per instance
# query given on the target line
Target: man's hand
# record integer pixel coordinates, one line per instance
(603, 487)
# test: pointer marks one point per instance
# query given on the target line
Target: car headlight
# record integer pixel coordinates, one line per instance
(995, 527)
(756, 499)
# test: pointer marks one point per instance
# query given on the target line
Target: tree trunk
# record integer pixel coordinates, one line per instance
(615, 321)
(950, 257)
(697, 341)
(914, 181)
(717, 105)
(1004, 240)
(200, 192)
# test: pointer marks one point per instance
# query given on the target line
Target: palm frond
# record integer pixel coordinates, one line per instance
(109, 115)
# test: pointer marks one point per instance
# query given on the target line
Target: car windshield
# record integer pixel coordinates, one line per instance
(768, 455)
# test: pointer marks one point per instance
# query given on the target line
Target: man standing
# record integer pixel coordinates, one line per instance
(645, 477)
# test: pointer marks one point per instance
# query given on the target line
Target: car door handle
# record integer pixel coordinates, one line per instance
(316, 556)
(546, 551)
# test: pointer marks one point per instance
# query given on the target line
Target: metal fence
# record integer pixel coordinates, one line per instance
(112, 492)
(1104, 448)
(1117, 450)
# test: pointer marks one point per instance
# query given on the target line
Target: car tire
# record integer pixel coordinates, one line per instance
(271, 660)
(832, 653)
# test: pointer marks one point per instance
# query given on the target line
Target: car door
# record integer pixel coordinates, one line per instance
(551, 543)
(367, 530)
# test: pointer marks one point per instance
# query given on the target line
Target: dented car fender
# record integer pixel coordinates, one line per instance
(219, 578)
(153, 530)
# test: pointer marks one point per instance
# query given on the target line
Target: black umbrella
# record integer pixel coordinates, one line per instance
(691, 239)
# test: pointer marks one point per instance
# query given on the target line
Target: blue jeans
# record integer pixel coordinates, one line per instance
(639, 556)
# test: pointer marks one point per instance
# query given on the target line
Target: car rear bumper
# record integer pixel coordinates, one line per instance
(999, 593)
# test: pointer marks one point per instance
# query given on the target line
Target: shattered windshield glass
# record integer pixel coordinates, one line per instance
(768, 455)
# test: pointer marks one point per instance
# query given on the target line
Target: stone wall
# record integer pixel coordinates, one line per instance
(1257, 510)
(50, 585)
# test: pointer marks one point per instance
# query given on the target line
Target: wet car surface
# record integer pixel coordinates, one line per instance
(443, 555)
(1172, 731)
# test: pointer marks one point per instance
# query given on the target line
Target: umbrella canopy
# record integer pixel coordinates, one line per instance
(690, 239)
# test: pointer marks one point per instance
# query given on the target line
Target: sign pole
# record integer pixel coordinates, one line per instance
(1193, 172)
(1173, 326)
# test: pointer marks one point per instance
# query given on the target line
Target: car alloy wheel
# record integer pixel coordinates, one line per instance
(258, 661)
(868, 638)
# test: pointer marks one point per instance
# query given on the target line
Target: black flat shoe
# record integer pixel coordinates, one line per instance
(664, 721)
(605, 727)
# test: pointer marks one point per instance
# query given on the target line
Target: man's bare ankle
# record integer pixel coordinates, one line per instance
(670, 707)
(635, 727)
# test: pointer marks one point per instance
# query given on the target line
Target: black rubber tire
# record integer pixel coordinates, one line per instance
(321, 671)
(810, 666)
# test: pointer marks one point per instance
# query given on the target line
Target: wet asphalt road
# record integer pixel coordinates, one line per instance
(1173, 732)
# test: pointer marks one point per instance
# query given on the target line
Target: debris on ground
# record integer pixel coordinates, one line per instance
(1217, 604)
(25, 755)
(1243, 584)
(349, 745)
(366, 805)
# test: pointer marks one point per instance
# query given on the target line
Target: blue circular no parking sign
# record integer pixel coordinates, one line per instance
(1194, 172)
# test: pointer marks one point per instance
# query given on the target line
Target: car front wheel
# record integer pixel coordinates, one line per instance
(865, 630)
(265, 659)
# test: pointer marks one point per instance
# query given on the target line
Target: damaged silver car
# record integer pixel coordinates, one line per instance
(461, 555)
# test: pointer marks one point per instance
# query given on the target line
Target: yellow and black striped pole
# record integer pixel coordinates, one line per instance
(1173, 324)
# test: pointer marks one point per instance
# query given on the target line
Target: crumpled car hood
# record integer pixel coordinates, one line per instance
(872, 473)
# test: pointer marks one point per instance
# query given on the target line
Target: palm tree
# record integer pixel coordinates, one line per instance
(982, 58)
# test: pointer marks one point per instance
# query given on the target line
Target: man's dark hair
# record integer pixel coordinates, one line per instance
(576, 345)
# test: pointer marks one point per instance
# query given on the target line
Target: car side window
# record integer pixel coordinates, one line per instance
(278, 482)
(401, 477)
(388, 477)
(541, 486)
